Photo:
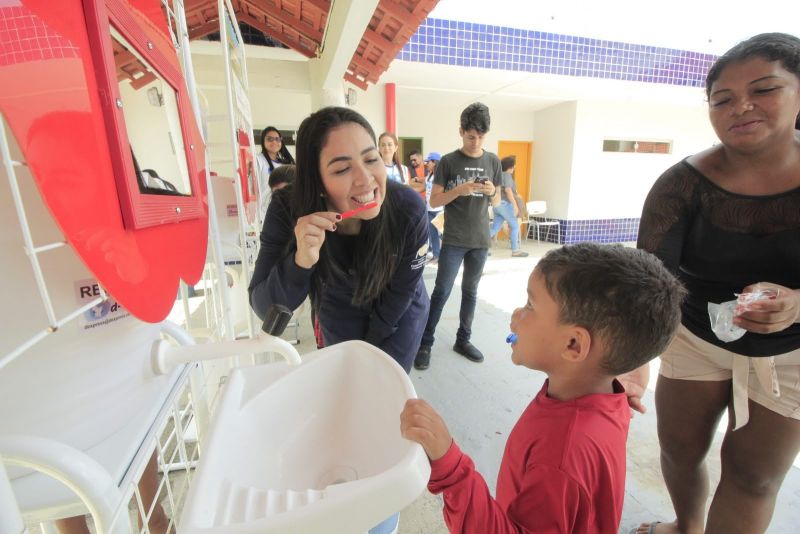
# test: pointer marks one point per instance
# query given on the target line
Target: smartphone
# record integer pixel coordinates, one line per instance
(481, 181)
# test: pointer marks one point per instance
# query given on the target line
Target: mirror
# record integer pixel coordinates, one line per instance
(155, 147)
(150, 108)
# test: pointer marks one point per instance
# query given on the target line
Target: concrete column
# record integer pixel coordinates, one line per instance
(327, 96)
(391, 108)
(346, 24)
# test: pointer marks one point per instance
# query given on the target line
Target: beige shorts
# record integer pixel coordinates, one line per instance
(773, 382)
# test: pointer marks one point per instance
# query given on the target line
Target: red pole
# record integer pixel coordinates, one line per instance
(391, 109)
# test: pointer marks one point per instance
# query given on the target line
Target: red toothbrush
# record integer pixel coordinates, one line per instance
(367, 206)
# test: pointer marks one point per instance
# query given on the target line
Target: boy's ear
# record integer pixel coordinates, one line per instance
(578, 344)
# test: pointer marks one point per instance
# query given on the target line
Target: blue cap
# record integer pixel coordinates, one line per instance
(511, 339)
(433, 156)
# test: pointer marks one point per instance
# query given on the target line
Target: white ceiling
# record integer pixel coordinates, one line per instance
(710, 26)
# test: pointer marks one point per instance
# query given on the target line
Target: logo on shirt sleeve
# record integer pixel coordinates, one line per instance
(419, 260)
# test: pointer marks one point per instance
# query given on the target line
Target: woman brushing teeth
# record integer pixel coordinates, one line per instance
(352, 175)
(348, 238)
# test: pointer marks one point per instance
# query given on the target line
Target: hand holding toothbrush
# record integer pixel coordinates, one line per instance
(309, 232)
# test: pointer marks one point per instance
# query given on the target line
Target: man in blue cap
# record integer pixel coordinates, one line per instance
(430, 163)
(436, 240)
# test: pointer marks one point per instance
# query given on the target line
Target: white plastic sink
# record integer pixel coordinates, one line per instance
(308, 449)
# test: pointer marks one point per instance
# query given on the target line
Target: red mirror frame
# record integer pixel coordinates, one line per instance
(250, 192)
(139, 210)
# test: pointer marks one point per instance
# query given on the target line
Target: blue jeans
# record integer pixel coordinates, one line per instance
(450, 260)
(436, 239)
(505, 212)
(387, 526)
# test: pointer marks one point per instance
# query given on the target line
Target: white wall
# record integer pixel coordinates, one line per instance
(569, 169)
(436, 118)
(508, 125)
(372, 105)
(553, 157)
(614, 184)
(280, 96)
(280, 92)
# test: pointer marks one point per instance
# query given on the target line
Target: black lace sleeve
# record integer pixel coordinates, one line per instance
(667, 214)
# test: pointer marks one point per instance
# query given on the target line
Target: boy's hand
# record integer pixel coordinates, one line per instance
(419, 422)
(635, 384)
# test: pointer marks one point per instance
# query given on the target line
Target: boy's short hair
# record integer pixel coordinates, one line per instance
(282, 174)
(624, 296)
(476, 117)
(508, 162)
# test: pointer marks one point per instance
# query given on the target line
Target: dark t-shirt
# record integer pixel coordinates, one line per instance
(466, 219)
(718, 243)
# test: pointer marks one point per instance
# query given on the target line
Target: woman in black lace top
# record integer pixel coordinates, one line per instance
(727, 221)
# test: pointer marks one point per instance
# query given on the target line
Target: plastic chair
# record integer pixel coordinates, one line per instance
(537, 208)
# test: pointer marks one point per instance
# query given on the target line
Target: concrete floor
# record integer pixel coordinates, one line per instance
(481, 402)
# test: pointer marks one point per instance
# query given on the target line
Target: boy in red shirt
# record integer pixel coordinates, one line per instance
(593, 312)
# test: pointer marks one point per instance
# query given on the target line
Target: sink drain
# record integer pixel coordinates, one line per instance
(337, 475)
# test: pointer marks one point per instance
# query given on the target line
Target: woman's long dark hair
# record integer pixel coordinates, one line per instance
(284, 156)
(380, 242)
(395, 159)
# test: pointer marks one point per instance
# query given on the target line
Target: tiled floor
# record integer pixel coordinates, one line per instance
(481, 403)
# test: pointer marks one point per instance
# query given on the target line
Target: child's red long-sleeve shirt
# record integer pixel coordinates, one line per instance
(563, 470)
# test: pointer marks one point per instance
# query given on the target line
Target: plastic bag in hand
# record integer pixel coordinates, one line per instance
(722, 314)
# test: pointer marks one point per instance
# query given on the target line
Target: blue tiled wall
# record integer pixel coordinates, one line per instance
(596, 230)
(601, 230)
(450, 42)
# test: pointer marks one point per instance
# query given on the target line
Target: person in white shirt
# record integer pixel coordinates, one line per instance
(273, 154)
(387, 147)
(435, 239)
